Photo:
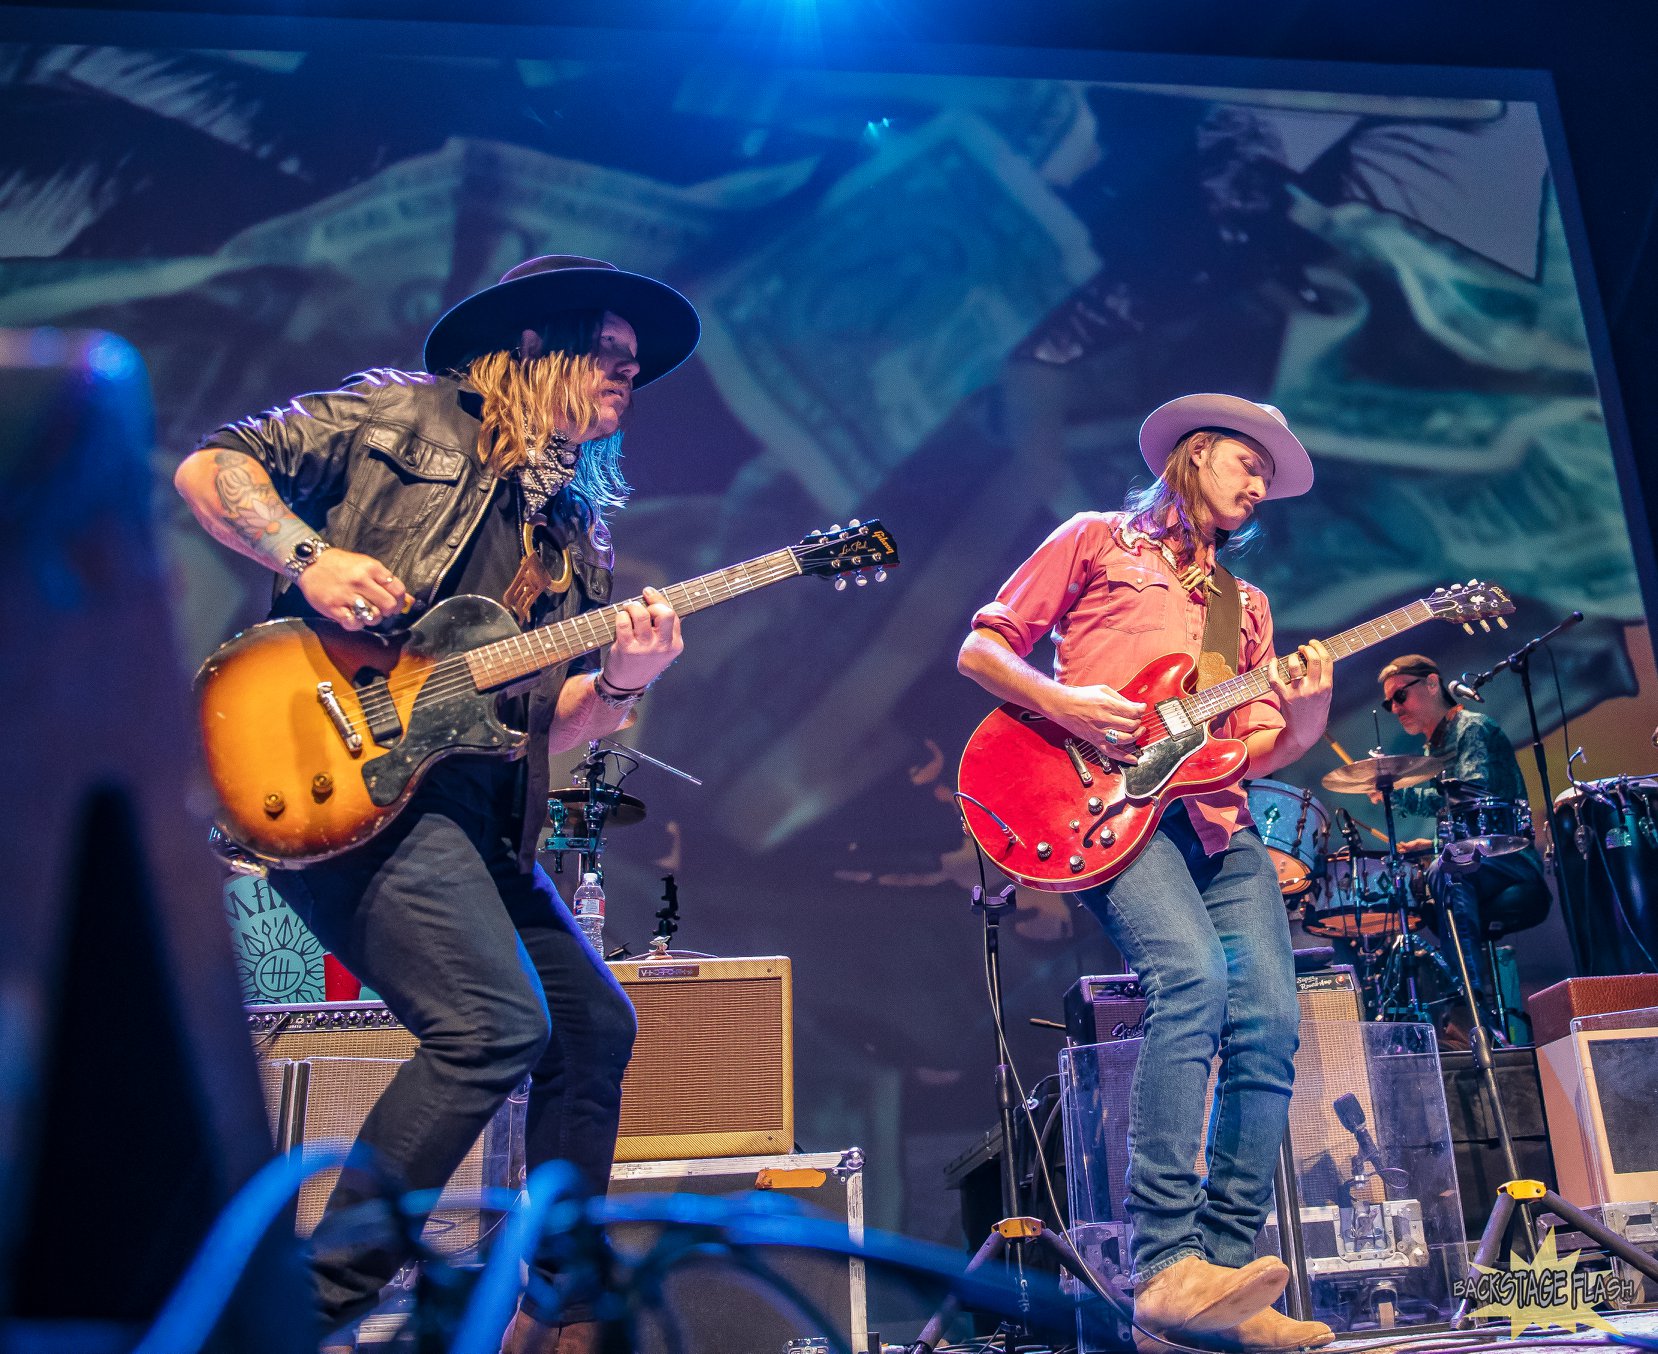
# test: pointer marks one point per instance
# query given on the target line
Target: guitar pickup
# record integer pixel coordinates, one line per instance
(384, 723)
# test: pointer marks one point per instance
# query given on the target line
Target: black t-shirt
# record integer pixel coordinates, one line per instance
(486, 567)
(489, 561)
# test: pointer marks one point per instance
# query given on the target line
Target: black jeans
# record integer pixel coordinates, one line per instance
(485, 966)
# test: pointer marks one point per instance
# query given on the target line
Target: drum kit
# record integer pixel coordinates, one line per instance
(1375, 897)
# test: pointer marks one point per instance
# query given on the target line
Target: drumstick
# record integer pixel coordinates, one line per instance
(1341, 752)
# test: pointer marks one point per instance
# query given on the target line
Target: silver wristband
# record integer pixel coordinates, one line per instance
(303, 555)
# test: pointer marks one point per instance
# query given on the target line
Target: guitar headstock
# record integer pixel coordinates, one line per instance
(1465, 603)
(861, 550)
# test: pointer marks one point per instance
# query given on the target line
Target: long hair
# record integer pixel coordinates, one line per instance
(1170, 508)
(526, 399)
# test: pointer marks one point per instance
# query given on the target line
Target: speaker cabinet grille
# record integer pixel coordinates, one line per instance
(1329, 1063)
(713, 1068)
(323, 1066)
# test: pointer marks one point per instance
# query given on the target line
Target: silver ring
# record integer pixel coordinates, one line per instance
(362, 610)
(1112, 736)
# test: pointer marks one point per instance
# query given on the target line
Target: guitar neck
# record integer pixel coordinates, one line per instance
(508, 660)
(1240, 690)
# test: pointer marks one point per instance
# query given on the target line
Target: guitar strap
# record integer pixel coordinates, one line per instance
(1218, 660)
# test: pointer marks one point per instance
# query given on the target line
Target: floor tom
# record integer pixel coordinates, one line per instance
(1484, 826)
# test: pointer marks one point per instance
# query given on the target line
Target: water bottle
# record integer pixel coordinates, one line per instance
(588, 905)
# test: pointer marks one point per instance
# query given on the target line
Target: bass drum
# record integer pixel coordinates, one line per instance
(1294, 826)
(1607, 834)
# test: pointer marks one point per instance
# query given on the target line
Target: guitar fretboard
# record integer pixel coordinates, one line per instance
(506, 660)
(1252, 685)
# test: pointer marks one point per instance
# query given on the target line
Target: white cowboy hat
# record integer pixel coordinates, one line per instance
(1292, 468)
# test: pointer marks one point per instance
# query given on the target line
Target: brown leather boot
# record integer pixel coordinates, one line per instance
(529, 1336)
(1193, 1297)
(1270, 1330)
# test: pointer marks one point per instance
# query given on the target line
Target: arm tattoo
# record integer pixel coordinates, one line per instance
(249, 505)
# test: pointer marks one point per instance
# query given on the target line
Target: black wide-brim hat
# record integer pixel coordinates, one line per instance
(528, 296)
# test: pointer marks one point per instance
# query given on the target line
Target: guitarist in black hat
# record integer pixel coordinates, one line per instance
(491, 472)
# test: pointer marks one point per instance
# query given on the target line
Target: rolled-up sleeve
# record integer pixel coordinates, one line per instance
(1046, 585)
(1261, 715)
(304, 445)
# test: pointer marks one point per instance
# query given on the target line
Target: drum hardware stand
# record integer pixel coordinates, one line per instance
(583, 832)
(1520, 662)
(1014, 1233)
(1406, 951)
(667, 918)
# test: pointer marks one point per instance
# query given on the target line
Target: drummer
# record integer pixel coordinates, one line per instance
(1505, 892)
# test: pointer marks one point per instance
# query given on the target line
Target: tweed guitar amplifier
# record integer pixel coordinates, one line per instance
(713, 1068)
(323, 1066)
(1329, 1063)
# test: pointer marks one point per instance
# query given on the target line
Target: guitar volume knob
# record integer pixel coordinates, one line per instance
(1044, 850)
(1076, 863)
(1095, 804)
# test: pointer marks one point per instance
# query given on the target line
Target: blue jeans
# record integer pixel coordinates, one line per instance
(1209, 940)
(485, 966)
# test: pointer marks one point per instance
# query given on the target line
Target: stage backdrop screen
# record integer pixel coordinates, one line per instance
(938, 289)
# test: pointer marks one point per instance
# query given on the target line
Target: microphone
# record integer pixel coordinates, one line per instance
(1351, 1114)
(1459, 689)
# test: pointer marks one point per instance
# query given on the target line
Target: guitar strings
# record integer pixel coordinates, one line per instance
(592, 620)
(452, 674)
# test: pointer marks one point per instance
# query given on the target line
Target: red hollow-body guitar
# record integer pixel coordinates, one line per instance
(1052, 812)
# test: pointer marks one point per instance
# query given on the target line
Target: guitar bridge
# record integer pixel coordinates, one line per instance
(337, 717)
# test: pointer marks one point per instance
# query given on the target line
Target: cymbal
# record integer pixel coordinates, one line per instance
(1361, 777)
(623, 809)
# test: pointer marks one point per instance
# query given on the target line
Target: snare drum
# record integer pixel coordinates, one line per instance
(1355, 898)
(1294, 827)
(1484, 827)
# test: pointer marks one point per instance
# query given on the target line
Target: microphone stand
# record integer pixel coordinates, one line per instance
(1013, 1232)
(1519, 662)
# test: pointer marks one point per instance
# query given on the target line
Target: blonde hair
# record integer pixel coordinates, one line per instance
(1170, 508)
(527, 400)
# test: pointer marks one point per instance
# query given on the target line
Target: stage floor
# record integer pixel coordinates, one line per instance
(1640, 1326)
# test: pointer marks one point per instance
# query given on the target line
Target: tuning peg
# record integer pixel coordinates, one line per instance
(862, 580)
(814, 535)
(1501, 623)
(853, 522)
(840, 582)
(835, 528)
(1485, 625)
(1473, 582)
(880, 575)
(1467, 627)
(1439, 592)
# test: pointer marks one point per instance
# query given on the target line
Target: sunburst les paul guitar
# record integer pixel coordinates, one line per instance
(317, 737)
(1052, 812)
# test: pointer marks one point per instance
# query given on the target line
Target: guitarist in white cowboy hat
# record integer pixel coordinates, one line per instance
(1198, 914)
(491, 472)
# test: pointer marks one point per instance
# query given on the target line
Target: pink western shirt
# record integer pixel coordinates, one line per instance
(1113, 609)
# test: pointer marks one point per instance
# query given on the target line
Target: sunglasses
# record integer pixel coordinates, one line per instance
(1397, 699)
